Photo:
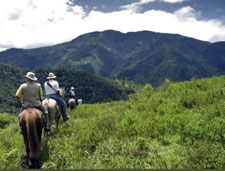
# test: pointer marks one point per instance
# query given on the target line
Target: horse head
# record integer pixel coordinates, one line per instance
(62, 92)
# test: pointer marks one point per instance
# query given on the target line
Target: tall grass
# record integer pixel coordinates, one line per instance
(177, 126)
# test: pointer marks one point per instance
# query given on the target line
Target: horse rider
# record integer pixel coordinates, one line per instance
(72, 95)
(52, 91)
(30, 94)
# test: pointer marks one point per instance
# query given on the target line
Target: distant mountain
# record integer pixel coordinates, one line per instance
(89, 87)
(145, 57)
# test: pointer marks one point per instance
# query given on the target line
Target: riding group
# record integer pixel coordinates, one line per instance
(37, 112)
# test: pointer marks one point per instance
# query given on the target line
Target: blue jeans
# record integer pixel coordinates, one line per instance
(61, 102)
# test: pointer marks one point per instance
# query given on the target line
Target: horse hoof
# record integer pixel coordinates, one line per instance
(29, 163)
(34, 164)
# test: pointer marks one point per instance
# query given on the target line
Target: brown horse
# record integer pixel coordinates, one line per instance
(53, 109)
(72, 103)
(31, 121)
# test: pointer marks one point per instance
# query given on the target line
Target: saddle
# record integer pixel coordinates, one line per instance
(30, 107)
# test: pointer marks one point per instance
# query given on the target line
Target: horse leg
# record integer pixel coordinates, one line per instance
(57, 123)
(58, 114)
(39, 128)
(25, 137)
(35, 164)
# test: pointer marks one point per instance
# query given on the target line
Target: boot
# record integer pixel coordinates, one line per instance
(66, 118)
(47, 125)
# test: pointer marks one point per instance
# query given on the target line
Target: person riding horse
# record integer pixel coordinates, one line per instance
(72, 95)
(52, 91)
(30, 95)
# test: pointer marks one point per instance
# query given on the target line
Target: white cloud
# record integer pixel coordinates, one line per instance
(137, 6)
(173, 1)
(30, 23)
(35, 23)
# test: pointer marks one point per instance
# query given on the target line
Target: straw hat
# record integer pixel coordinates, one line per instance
(51, 76)
(31, 76)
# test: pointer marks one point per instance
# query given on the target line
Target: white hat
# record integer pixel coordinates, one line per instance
(72, 88)
(51, 76)
(31, 76)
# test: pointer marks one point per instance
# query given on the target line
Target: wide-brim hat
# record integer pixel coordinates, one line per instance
(31, 76)
(51, 76)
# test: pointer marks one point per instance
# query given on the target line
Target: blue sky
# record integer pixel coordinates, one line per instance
(38, 23)
(209, 9)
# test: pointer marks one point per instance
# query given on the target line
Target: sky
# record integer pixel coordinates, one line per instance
(37, 23)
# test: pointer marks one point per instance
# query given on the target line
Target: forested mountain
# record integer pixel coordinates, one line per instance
(89, 87)
(145, 57)
(10, 80)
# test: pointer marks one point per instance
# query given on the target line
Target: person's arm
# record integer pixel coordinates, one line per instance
(41, 94)
(19, 100)
(19, 95)
(58, 93)
(57, 88)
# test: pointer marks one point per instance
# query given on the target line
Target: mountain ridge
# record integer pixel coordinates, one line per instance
(144, 57)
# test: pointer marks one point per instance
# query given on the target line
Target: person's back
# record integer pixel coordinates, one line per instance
(51, 87)
(72, 94)
(31, 94)
(52, 91)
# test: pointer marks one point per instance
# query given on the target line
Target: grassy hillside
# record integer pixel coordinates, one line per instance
(177, 126)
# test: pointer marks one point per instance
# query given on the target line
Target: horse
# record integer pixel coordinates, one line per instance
(72, 103)
(31, 121)
(53, 109)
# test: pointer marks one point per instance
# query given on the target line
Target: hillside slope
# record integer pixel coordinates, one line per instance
(144, 57)
(89, 87)
(177, 126)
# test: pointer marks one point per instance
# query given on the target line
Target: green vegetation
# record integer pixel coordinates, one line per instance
(10, 79)
(177, 126)
(89, 87)
(143, 57)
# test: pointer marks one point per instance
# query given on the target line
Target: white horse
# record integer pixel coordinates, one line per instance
(53, 109)
(72, 103)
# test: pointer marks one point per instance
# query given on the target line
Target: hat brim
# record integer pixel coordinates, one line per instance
(51, 77)
(33, 79)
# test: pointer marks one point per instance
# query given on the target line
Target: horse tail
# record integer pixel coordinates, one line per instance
(32, 122)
